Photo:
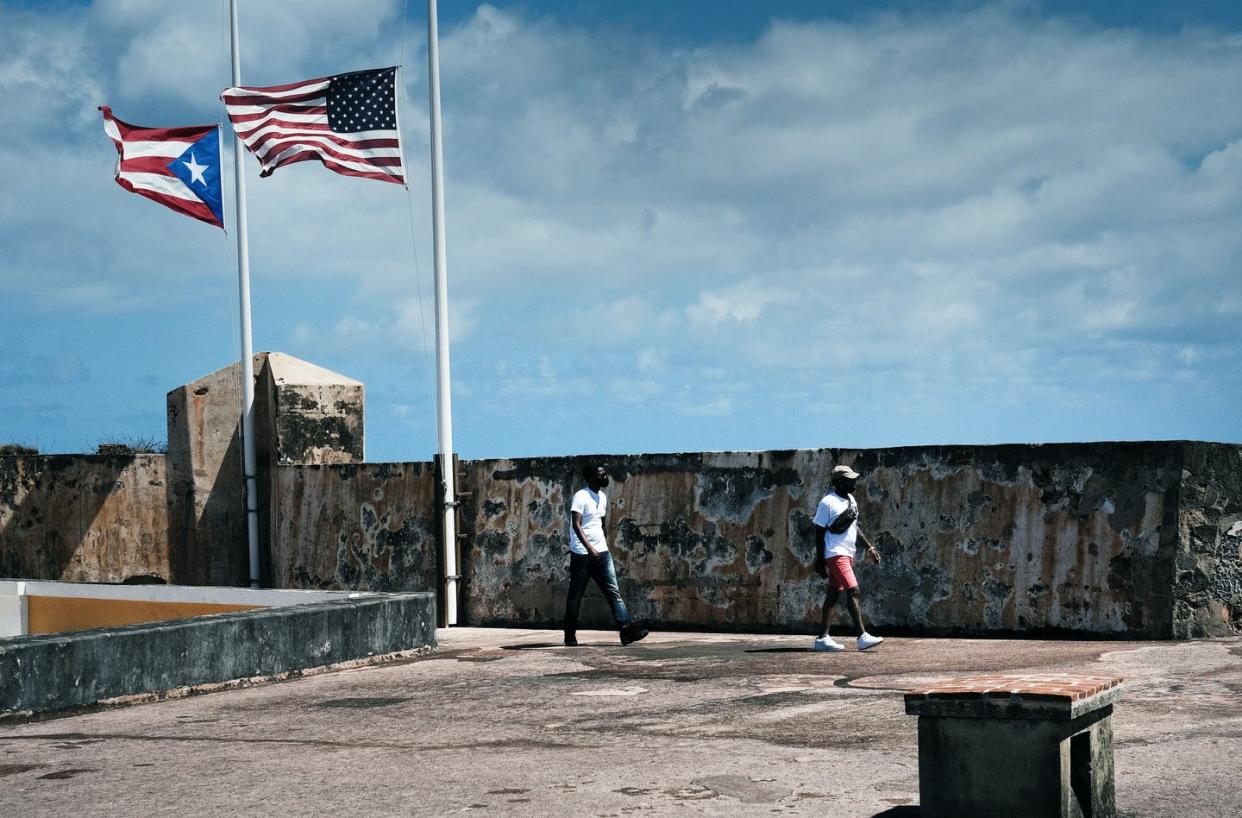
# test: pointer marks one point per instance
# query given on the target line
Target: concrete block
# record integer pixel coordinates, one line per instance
(1034, 745)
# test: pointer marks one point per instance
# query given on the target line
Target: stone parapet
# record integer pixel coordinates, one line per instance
(47, 673)
(1129, 540)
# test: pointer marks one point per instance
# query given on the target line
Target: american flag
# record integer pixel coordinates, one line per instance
(177, 167)
(347, 121)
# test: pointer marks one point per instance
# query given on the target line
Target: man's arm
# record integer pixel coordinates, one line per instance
(576, 516)
(821, 567)
(871, 549)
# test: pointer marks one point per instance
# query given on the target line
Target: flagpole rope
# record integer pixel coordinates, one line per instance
(405, 21)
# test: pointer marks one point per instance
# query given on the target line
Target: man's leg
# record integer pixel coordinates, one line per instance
(606, 578)
(830, 604)
(605, 575)
(853, 601)
(579, 573)
(865, 640)
(824, 641)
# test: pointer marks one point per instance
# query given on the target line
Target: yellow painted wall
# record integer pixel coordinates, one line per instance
(56, 614)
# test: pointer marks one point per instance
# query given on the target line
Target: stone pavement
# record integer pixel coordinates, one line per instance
(503, 722)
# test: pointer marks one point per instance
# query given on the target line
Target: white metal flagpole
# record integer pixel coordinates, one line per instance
(247, 355)
(444, 412)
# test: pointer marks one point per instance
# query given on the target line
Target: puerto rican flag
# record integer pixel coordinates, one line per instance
(177, 167)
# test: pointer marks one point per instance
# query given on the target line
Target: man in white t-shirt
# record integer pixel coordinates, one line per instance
(836, 531)
(589, 557)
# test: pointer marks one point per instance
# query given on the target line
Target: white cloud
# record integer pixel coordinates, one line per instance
(713, 408)
(650, 360)
(977, 201)
(42, 79)
(742, 303)
(181, 53)
(404, 325)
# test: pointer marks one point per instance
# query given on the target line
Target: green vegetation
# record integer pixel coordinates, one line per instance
(128, 445)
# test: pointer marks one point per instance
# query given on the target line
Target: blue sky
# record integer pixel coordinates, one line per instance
(776, 225)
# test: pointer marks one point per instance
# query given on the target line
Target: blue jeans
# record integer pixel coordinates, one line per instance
(583, 567)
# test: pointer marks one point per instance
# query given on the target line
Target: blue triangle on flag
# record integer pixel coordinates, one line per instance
(199, 169)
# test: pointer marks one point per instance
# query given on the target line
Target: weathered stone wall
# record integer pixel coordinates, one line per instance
(1032, 539)
(83, 518)
(1134, 540)
(354, 527)
(1208, 584)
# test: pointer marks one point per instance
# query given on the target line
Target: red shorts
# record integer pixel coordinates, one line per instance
(841, 573)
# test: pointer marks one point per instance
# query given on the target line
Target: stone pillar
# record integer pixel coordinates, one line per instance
(307, 414)
(303, 414)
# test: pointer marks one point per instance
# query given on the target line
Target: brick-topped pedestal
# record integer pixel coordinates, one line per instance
(1016, 745)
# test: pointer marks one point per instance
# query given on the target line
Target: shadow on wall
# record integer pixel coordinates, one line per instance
(207, 544)
(83, 518)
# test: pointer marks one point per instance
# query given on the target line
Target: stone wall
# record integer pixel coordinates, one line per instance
(359, 527)
(1130, 540)
(1029, 539)
(84, 518)
(1207, 587)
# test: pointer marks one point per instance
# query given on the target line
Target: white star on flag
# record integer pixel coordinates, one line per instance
(196, 170)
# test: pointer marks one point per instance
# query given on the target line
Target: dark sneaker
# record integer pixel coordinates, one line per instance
(632, 633)
(571, 639)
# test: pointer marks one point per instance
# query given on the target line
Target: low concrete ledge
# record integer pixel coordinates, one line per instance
(44, 673)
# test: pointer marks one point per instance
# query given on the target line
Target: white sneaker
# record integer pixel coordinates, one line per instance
(867, 641)
(828, 643)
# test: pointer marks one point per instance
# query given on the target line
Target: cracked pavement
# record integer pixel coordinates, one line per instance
(507, 721)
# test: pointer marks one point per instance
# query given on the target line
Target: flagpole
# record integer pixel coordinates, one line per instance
(249, 460)
(444, 414)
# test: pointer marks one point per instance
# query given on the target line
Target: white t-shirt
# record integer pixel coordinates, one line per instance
(837, 545)
(592, 507)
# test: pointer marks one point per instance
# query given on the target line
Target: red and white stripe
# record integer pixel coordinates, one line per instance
(283, 124)
(142, 161)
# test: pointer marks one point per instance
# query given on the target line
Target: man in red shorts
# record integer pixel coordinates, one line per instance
(836, 529)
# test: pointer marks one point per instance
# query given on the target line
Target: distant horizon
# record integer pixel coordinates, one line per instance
(1015, 222)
